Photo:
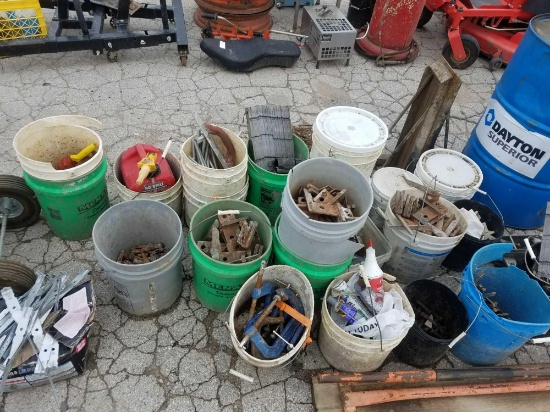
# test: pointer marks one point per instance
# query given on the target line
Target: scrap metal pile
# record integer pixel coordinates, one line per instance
(41, 327)
(325, 204)
(274, 323)
(140, 254)
(206, 151)
(232, 239)
(430, 322)
(425, 215)
(490, 301)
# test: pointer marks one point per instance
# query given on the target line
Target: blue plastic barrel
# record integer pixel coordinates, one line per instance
(491, 338)
(511, 142)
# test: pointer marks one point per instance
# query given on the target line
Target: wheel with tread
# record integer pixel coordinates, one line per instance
(183, 60)
(19, 198)
(112, 56)
(471, 47)
(17, 276)
(495, 63)
(425, 17)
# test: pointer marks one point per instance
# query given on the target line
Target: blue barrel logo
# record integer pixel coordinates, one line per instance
(510, 143)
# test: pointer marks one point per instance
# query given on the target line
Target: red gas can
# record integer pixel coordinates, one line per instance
(392, 26)
(160, 179)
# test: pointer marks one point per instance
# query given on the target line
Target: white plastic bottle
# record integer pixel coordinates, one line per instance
(372, 271)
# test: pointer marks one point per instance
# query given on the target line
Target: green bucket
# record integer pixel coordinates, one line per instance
(216, 283)
(266, 188)
(71, 207)
(319, 276)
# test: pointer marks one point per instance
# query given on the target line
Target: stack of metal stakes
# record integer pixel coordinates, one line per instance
(206, 152)
(28, 318)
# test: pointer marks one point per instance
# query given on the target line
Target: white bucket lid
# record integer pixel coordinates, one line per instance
(351, 129)
(454, 171)
(388, 180)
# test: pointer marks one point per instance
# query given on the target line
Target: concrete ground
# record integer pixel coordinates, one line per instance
(179, 361)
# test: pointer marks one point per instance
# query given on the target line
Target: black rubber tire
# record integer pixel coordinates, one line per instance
(425, 17)
(471, 47)
(19, 277)
(495, 63)
(16, 188)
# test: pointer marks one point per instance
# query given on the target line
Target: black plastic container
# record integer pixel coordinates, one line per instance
(463, 252)
(360, 12)
(420, 349)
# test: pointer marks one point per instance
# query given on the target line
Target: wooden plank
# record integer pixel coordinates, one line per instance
(427, 113)
(533, 402)
(352, 400)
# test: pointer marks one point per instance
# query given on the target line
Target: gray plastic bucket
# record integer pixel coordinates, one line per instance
(324, 242)
(149, 288)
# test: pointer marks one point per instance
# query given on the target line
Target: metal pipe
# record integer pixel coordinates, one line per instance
(527, 372)
(264, 315)
(353, 400)
(5, 213)
(258, 286)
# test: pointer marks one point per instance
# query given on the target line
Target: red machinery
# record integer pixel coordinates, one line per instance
(492, 27)
(389, 36)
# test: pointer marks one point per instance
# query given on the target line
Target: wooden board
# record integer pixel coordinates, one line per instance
(514, 402)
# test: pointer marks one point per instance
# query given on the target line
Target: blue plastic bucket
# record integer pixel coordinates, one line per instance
(491, 338)
(511, 142)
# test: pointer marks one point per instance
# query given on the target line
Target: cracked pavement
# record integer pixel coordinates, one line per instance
(179, 361)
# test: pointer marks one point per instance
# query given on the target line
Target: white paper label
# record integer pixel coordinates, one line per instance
(510, 143)
(222, 44)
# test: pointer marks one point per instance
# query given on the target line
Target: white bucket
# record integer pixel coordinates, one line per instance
(193, 201)
(171, 197)
(350, 134)
(41, 144)
(324, 242)
(348, 353)
(385, 182)
(298, 283)
(452, 173)
(418, 256)
(215, 182)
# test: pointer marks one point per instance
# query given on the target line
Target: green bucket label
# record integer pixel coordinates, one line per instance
(95, 206)
(267, 197)
(221, 288)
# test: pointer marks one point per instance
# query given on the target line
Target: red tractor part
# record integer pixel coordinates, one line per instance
(492, 27)
(389, 36)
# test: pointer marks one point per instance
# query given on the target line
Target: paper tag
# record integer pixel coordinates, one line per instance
(222, 44)
(510, 143)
